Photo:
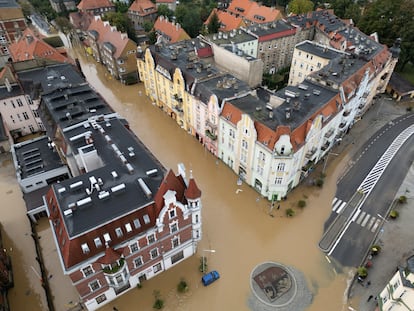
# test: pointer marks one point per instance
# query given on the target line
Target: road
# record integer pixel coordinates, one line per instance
(353, 236)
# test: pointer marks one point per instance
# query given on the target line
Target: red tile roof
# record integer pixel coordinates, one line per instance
(253, 11)
(31, 47)
(86, 5)
(143, 7)
(170, 182)
(174, 32)
(192, 192)
(108, 33)
(227, 20)
(110, 257)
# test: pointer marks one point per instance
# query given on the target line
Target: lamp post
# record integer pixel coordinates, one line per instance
(203, 261)
(326, 161)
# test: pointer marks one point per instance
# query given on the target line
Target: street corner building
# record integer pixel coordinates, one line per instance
(124, 218)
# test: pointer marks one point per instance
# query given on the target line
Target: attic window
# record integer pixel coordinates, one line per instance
(107, 237)
(98, 242)
(137, 224)
(146, 219)
(128, 227)
(85, 248)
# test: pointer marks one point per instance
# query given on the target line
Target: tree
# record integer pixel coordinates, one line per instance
(300, 6)
(188, 15)
(63, 24)
(163, 10)
(214, 24)
(347, 9)
(121, 7)
(148, 26)
(391, 20)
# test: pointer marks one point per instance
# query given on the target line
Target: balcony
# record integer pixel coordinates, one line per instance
(311, 153)
(211, 135)
(342, 125)
(211, 126)
(346, 113)
(178, 98)
(115, 267)
(326, 146)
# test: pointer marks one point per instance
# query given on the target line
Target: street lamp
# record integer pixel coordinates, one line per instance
(326, 161)
(203, 261)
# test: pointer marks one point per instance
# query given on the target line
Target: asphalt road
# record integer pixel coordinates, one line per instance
(357, 236)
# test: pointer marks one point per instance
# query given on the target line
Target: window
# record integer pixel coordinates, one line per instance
(278, 181)
(87, 271)
(319, 65)
(134, 247)
(172, 213)
(94, 285)
(107, 238)
(151, 238)
(281, 167)
(137, 224)
(31, 128)
(174, 227)
(146, 219)
(119, 232)
(138, 262)
(154, 253)
(175, 242)
(35, 113)
(19, 102)
(157, 267)
(100, 299)
(177, 257)
(98, 242)
(12, 102)
(128, 227)
(196, 218)
(85, 248)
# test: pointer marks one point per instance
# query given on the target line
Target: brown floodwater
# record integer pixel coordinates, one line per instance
(237, 225)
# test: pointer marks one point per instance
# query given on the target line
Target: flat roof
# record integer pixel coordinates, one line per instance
(112, 190)
(318, 50)
(302, 101)
(15, 91)
(36, 156)
(270, 28)
(227, 37)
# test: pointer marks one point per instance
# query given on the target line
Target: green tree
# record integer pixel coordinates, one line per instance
(148, 26)
(300, 6)
(188, 15)
(26, 8)
(163, 10)
(63, 24)
(214, 24)
(121, 7)
(347, 9)
(391, 20)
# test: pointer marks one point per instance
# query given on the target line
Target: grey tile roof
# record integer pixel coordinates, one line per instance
(318, 50)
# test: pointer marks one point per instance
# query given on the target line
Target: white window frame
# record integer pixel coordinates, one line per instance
(135, 262)
(85, 248)
(118, 232)
(132, 245)
(98, 242)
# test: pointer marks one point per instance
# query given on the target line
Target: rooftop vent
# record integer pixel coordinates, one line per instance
(76, 185)
(316, 92)
(118, 188)
(144, 188)
(103, 195)
(68, 212)
(114, 174)
(302, 87)
(84, 202)
(152, 173)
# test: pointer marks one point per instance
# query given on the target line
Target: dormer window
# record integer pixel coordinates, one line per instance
(146, 219)
(98, 242)
(119, 232)
(107, 238)
(173, 213)
(85, 248)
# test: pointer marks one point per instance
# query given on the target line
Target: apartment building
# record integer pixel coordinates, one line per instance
(12, 24)
(120, 217)
(227, 20)
(96, 7)
(113, 49)
(4, 137)
(169, 31)
(271, 140)
(309, 56)
(141, 11)
(253, 12)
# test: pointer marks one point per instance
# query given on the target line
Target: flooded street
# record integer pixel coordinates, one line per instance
(236, 225)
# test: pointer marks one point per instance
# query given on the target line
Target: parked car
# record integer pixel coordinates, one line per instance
(210, 277)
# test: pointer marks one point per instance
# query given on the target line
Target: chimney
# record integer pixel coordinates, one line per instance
(287, 113)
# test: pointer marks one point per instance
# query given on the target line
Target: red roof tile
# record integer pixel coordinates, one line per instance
(143, 7)
(31, 47)
(110, 257)
(231, 113)
(86, 5)
(253, 11)
(192, 192)
(174, 32)
(227, 20)
(170, 182)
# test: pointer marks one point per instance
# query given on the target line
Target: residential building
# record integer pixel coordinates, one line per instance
(18, 110)
(113, 49)
(309, 56)
(12, 24)
(40, 25)
(171, 4)
(96, 7)
(253, 12)
(227, 20)
(122, 218)
(142, 11)
(169, 31)
(398, 294)
(271, 140)
(63, 5)
(28, 46)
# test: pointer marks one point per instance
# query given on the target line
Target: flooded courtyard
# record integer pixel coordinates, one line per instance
(237, 224)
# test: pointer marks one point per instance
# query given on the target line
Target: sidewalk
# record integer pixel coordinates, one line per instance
(395, 250)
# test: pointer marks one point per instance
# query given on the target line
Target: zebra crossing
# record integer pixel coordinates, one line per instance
(338, 205)
(368, 221)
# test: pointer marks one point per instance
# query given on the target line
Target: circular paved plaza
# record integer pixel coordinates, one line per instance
(278, 287)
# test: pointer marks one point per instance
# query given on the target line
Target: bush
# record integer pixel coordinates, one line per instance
(402, 199)
(394, 214)
(362, 272)
(182, 287)
(319, 182)
(375, 249)
(139, 285)
(290, 212)
(159, 303)
(301, 203)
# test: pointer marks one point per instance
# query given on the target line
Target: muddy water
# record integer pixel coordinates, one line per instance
(237, 226)
(27, 293)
